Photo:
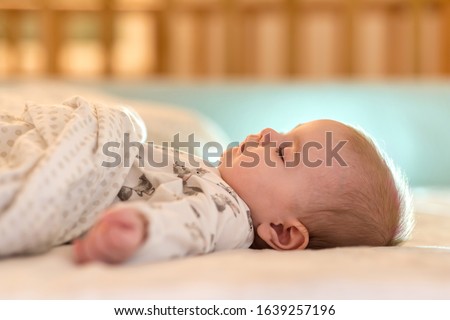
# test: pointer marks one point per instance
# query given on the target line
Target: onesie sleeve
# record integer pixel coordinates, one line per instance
(187, 227)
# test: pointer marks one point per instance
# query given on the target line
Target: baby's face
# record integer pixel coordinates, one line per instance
(274, 172)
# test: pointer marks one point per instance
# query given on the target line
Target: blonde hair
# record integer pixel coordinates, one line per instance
(372, 208)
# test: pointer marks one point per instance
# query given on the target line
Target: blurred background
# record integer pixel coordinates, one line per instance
(383, 65)
(274, 39)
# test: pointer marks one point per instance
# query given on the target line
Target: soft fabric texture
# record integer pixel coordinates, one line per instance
(190, 208)
(53, 181)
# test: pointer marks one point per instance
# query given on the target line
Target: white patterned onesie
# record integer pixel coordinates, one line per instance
(190, 208)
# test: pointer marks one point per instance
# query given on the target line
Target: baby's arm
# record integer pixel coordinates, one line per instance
(123, 231)
(114, 238)
(144, 232)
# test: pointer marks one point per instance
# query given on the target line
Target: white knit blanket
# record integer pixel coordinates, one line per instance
(53, 178)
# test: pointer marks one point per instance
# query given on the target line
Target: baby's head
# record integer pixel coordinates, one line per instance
(323, 184)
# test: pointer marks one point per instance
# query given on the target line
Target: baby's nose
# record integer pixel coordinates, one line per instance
(253, 138)
(268, 135)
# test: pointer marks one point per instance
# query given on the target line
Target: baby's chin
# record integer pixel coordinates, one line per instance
(222, 167)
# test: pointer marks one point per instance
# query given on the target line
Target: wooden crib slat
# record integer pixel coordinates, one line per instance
(351, 8)
(107, 35)
(162, 19)
(239, 57)
(233, 38)
(416, 9)
(446, 38)
(12, 38)
(51, 36)
(292, 15)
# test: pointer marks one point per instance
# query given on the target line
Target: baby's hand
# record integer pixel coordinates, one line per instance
(114, 238)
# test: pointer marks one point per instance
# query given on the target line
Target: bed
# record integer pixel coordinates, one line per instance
(416, 270)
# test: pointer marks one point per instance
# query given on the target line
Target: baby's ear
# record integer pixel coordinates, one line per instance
(288, 235)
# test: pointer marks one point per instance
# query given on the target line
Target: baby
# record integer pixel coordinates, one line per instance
(323, 184)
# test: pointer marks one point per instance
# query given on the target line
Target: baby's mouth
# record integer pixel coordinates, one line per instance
(246, 144)
(242, 147)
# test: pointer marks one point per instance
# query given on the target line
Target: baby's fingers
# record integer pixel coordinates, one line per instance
(114, 239)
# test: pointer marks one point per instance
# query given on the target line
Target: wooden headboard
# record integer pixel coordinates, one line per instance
(275, 39)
